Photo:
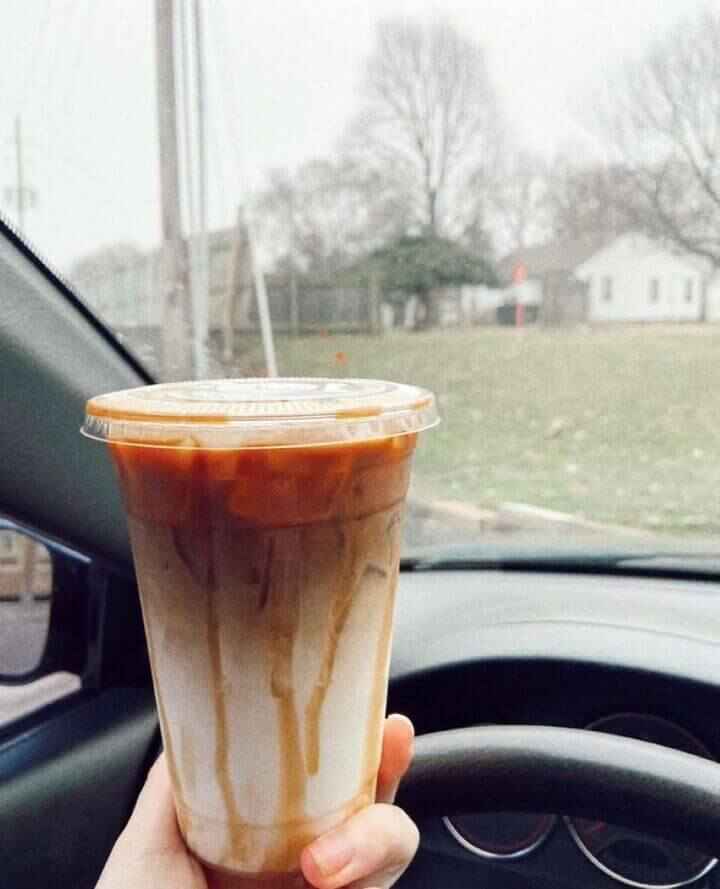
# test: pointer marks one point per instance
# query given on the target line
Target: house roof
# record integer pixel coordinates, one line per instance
(637, 247)
(557, 256)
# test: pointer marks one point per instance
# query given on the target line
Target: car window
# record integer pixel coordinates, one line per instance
(518, 211)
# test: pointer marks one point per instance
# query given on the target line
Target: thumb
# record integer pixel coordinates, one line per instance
(153, 824)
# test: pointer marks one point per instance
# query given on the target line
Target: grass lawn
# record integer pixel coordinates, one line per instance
(617, 425)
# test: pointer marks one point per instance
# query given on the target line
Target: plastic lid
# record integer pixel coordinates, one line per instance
(258, 413)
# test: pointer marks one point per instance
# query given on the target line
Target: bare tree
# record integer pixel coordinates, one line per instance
(662, 117)
(325, 214)
(429, 121)
(588, 200)
(517, 200)
(275, 217)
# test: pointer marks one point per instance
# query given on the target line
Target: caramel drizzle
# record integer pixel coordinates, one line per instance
(265, 583)
(283, 604)
(222, 766)
(196, 551)
(339, 612)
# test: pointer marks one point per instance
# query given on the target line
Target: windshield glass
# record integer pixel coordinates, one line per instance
(518, 209)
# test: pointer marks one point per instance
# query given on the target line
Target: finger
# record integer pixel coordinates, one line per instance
(153, 823)
(397, 753)
(370, 849)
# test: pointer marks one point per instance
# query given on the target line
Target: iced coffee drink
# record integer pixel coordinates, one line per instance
(265, 523)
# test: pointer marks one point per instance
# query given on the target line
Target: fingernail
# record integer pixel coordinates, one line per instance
(331, 853)
(403, 718)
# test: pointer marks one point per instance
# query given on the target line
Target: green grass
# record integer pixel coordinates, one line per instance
(617, 425)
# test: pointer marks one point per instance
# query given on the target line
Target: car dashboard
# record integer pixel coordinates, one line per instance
(633, 656)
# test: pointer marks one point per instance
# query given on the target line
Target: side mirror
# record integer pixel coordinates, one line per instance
(43, 606)
(64, 612)
(26, 584)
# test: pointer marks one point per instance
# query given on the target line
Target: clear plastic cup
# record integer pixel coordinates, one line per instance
(265, 521)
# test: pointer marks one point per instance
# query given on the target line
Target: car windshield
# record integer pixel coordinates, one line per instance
(515, 206)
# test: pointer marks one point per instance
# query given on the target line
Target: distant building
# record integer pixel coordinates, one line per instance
(629, 278)
(637, 279)
(124, 287)
(544, 276)
(123, 284)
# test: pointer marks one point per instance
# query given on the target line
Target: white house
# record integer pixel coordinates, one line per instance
(634, 278)
(712, 298)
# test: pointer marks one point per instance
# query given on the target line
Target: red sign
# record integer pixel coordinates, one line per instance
(519, 273)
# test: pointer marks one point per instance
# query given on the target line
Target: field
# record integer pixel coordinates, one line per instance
(616, 425)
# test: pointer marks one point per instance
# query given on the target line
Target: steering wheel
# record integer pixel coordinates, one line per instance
(587, 774)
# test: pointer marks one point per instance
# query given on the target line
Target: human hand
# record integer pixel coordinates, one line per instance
(371, 849)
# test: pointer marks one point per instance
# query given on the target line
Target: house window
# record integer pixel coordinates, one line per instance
(688, 290)
(654, 290)
(606, 288)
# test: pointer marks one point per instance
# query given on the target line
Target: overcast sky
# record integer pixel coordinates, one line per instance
(283, 80)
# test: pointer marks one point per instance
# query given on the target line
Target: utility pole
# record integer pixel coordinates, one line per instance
(239, 286)
(19, 195)
(176, 344)
(193, 103)
(186, 67)
(263, 305)
(233, 272)
(19, 179)
(374, 319)
(294, 305)
(245, 275)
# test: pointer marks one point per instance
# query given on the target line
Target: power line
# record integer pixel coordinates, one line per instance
(259, 278)
(21, 194)
(215, 136)
(36, 52)
(62, 74)
(231, 98)
(87, 38)
(91, 170)
(56, 77)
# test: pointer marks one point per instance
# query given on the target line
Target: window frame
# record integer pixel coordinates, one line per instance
(654, 290)
(607, 287)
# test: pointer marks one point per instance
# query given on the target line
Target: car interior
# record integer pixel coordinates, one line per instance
(565, 714)
(509, 209)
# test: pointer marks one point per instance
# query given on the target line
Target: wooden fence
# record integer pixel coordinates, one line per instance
(129, 297)
(332, 309)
